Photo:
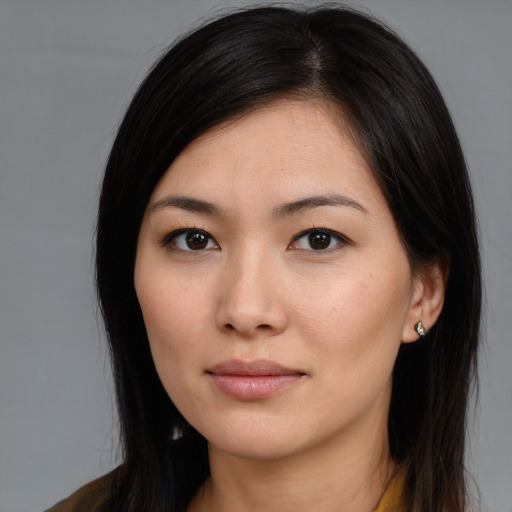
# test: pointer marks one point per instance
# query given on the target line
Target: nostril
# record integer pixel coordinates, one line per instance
(261, 327)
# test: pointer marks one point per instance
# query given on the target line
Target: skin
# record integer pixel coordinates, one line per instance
(258, 289)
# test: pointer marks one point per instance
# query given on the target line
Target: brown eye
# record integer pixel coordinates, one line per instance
(190, 240)
(318, 240)
(196, 241)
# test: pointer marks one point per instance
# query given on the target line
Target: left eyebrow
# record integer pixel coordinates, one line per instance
(308, 203)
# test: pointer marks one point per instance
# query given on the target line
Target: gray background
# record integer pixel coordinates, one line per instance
(67, 70)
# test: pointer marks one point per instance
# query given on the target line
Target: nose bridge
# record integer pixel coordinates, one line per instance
(250, 300)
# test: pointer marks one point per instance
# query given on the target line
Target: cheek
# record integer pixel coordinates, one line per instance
(175, 319)
(356, 308)
(175, 322)
(355, 324)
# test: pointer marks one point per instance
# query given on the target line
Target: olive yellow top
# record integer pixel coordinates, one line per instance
(393, 498)
(92, 496)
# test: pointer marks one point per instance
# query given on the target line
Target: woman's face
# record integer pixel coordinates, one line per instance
(274, 286)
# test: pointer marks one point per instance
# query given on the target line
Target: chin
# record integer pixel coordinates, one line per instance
(265, 443)
(256, 449)
(255, 440)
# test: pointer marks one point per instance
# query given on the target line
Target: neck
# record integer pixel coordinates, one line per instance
(350, 473)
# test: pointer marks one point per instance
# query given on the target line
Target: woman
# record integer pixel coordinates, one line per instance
(288, 269)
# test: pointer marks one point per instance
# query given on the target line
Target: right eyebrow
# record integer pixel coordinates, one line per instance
(187, 203)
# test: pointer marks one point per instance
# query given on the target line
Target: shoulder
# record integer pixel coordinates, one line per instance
(89, 498)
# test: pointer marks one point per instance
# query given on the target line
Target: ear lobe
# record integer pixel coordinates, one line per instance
(426, 301)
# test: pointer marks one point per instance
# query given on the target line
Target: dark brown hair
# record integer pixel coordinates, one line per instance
(230, 67)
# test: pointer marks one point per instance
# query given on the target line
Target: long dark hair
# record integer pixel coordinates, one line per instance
(226, 69)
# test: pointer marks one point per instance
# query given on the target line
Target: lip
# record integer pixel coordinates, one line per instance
(253, 380)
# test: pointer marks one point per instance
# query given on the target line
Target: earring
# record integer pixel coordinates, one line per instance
(420, 329)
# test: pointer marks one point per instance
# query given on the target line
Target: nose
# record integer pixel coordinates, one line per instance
(251, 298)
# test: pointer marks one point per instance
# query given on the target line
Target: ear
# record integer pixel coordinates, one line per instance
(427, 300)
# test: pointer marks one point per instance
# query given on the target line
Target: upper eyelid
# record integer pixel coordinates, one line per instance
(322, 229)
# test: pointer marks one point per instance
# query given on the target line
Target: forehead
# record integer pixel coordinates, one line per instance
(285, 149)
(303, 124)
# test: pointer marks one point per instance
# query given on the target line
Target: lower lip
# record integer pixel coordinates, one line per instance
(253, 387)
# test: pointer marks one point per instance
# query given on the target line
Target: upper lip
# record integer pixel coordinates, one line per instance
(256, 367)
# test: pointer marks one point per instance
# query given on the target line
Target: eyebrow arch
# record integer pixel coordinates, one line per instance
(204, 207)
(308, 203)
(187, 203)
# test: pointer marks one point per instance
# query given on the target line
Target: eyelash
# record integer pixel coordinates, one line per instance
(170, 240)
